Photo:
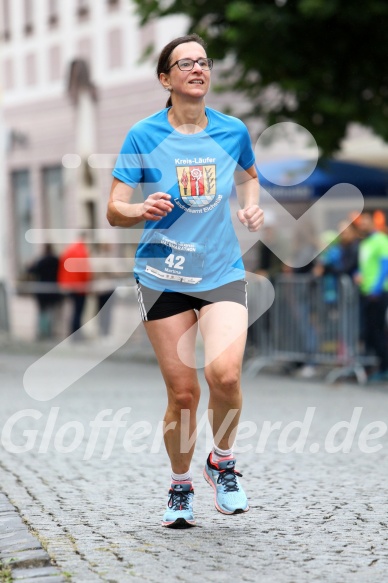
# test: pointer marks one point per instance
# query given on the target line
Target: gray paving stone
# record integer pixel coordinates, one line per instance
(26, 559)
(18, 543)
(7, 532)
(5, 506)
(36, 572)
(11, 522)
(49, 579)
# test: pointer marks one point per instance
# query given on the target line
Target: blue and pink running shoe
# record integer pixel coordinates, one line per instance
(179, 512)
(229, 496)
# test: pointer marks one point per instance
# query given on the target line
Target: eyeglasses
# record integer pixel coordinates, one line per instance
(188, 64)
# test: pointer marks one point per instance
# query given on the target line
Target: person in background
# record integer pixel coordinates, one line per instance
(348, 242)
(74, 275)
(380, 221)
(270, 248)
(372, 278)
(339, 258)
(339, 261)
(45, 271)
(326, 265)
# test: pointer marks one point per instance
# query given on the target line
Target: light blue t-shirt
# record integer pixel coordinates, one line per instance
(193, 248)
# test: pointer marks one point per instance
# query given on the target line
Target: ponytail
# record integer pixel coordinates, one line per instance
(169, 102)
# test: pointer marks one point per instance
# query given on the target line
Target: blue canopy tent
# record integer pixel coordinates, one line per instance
(275, 177)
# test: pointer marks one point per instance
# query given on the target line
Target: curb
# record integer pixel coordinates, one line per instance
(22, 557)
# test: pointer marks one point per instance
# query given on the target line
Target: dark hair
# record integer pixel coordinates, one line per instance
(164, 57)
(48, 249)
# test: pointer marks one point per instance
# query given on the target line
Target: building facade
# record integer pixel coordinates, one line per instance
(74, 80)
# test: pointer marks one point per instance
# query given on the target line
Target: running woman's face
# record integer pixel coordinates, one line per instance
(194, 83)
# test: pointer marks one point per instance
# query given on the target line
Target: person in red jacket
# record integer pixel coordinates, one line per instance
(74, 275)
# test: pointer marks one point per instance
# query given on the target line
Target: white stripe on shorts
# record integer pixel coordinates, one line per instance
(143, 311)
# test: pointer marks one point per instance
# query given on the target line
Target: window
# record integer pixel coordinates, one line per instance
(113, 4)
(83, 9)
(28, 17)
(8, 74)
(5, 29)
(53, 13)
(30, 69)
(55, 66)
(22, 216)
(53, 202)
(115, 51)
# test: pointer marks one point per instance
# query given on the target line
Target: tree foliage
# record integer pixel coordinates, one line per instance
(320, 63)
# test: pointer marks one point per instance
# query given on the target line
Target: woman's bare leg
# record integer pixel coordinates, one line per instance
(224, 329)
(183, 390)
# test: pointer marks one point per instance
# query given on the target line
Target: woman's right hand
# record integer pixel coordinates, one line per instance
(123, 213)
(156, 206)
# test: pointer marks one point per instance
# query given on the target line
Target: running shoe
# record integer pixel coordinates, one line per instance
(229, 497)
(179, 512)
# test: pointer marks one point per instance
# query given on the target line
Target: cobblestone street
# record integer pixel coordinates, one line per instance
(95, 497)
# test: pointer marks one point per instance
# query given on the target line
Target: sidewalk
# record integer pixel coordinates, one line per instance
(314, 515)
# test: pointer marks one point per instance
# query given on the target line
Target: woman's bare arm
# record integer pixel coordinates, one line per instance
(248, 190)
(123, 213)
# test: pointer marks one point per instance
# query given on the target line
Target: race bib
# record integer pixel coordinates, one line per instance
(175, 260)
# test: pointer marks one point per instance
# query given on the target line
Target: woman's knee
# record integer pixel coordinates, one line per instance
(224, 378)
(183, 397)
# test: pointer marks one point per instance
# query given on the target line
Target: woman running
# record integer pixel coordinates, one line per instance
(188, 266)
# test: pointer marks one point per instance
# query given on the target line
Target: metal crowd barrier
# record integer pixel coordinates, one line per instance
(312, 321)
(259, 351)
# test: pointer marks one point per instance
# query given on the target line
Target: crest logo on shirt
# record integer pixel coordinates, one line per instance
(197, 184)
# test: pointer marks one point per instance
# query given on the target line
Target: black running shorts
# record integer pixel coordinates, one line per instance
(155, 305)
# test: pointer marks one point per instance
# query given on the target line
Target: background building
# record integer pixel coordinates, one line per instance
(74, 82)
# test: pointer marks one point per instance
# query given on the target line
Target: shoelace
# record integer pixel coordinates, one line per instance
(179, 500)
(228, 479)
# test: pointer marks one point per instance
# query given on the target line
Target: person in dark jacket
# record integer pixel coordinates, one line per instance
(45, 271)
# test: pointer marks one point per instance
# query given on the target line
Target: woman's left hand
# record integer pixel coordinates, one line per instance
(251, 217)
